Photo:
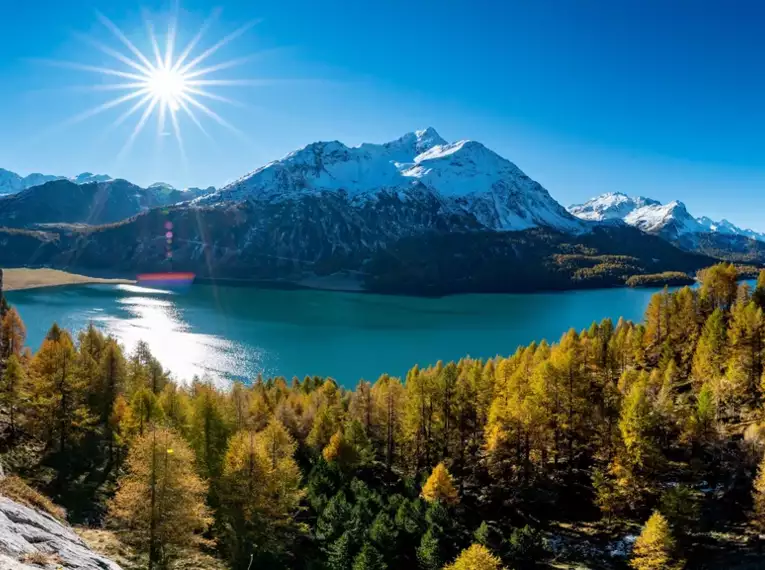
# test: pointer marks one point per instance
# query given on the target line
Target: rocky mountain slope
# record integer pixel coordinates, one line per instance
(94, 203)
(31, 539)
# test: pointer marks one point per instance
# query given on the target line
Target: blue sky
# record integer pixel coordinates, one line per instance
(648, 97)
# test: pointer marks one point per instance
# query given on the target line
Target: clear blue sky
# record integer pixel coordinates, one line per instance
(665, 99)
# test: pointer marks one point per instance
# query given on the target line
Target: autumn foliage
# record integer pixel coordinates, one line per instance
(605, 426)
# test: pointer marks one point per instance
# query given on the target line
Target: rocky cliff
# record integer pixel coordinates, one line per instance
(30, 540)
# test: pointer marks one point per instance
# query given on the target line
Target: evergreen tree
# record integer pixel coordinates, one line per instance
(429, 551)
(340, 554)
(369, 559)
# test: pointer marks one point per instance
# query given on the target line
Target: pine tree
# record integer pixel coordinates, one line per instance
(369, 558)
(476, 557)
(439, 487)
(655, 547)
(340, 553)
(160, 500)
(429, 551)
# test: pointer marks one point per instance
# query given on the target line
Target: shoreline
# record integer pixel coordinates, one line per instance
(22, 279)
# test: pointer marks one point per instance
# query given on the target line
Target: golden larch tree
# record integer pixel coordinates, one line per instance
(655, 547)
(260, 490)
(758, 497)
(439, 487)
(161, 500)
(475, 557)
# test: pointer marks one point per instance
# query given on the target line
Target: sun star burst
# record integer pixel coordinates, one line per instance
(164, 85)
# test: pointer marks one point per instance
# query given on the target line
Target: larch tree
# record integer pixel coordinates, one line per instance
(655, 547)
(758, 498)
(439, 487)
(260, 491)
(746, 340)
(758, 295)
(160, 500)
(58, 394)
(718, 286)
(475, 557)
(12, 382)
(209, 430)
(12, 334)
(387, 397)
(362, 407)
(339, 451)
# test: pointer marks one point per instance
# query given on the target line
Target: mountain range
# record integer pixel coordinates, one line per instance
(415, 215)
(12, 183)
(652, 216)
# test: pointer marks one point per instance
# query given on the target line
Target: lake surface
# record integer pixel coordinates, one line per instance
(236, 332)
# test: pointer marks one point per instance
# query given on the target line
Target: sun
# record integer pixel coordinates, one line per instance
(163, 83)
(168, 86)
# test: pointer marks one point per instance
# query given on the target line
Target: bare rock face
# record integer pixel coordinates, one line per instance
(30, 539)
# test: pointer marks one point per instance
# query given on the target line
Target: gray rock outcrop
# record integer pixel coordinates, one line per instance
(28, 536)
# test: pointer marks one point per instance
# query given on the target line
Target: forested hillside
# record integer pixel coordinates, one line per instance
(550, 455)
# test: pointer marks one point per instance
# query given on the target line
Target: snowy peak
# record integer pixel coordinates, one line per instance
(11, 183)
(610, 206)
(672, 217)
(672, 220)
(88, 177)
(464, 176)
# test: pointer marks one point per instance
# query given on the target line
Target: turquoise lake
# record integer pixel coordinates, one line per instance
(236, 332)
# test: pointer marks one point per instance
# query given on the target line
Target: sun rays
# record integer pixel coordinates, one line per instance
(164, 82)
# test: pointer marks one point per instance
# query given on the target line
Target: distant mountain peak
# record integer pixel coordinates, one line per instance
(671, 219)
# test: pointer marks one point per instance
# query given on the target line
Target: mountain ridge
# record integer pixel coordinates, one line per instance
(464, 176)
(671, 219)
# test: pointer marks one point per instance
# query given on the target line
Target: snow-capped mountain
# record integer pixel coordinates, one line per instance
(11, 183)
(671, 220)
(610, 206)
(464, 177)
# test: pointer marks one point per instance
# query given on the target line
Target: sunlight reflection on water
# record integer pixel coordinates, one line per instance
(160, 323)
